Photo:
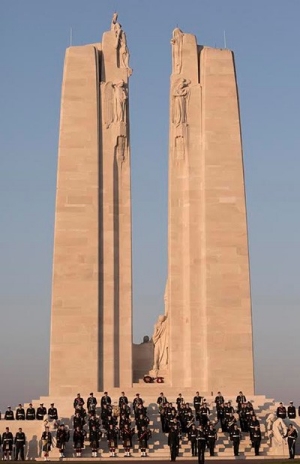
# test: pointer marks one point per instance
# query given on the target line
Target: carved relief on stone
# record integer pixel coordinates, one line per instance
(115, 102)
(179, 147)
(180, 99)
(121, 148)
(160, 341)
(121, 44)
(177, 42)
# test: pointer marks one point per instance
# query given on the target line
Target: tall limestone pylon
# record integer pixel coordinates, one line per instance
(208, 291)
(92, 288)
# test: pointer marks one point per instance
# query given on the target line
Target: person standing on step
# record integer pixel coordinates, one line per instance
(41, 412)
(112, 440)
(62, 437)
(211, 439)
(78, 441)
(144, 434)
(20, 441)
(105, 400)
(235, 437)
(9, 414)
(201, 444)
(7, 444)
(192, 436)
(291, 436)
(20, 412)
(173, 443)
(30, 412)
(197, 403)
(127, 434)
(91, 403)
(52, 413)
(123, 400)
(281, 411)
(240, 399)
(94, 437)
(256, 439)
(46, 443)
(291, 411)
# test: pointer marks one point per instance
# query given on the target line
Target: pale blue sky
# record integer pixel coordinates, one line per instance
(265, 37)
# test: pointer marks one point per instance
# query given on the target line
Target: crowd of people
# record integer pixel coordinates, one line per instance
(118, 422)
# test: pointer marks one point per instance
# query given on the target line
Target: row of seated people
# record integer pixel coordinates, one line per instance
(31, 413)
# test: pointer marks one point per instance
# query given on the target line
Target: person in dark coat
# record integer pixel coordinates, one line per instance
(173, 443)
(291, 436)
(20, 441)
(46, 443)
(7, 444)
(235, 437)
(291, 411)
(256, 439)
(30, 412)
(201, 444)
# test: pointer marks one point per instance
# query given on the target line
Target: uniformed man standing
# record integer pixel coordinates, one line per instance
(20, 412)
(281, 411)
(62, 437)
(235, 437)
(192, 436)
(240, 399)
(197, 403)
(94, 438)
(46, 443)
(7, 444)
(91, 403)
(201, 444)
(211, 439)
(291, 411)
(30, 412)
(41, 412)
(20, 441)
(52, 413)
(173, 443)
(256, 439)
(291, 436)
(123, 400)
(9, 414)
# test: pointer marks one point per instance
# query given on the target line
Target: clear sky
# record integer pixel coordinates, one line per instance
(265, 37)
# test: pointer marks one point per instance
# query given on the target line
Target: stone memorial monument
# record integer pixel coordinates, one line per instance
(91, 319)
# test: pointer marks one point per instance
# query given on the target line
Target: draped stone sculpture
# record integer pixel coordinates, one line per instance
(180, 96)
(160, 341)
(121, 44)
(177, 41)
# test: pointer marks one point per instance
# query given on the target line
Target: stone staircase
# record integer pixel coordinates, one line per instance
(158, 448)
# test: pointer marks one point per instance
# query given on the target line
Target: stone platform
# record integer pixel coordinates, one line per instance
(158, 448)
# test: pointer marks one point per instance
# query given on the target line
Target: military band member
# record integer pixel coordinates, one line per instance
(219, 399)
(112, 439)
(192, 436)
(91, 403)
(240, 399)
(41, 412)
(78, 401)
(253, 423)
(173, 443)
(20, 412)
(291, 436)
(243, 418)
(179, 401)
(235, 437)
(137, 404)
(52, 412)
(7, 444)
(144, 434)
(204, 414)
(127, 434)
(211, 439)
(30, 412)
(20, 441)
(256, 439)
(78, 441)
(291, 411)
(201, 444)
(94, 437)
(105, 400)
(93, 421)
(9, 414)
(123, 400)
(197, 403)
(281, 411)
(62, 437)
(78, 421)
(161, 400)
(46, 443)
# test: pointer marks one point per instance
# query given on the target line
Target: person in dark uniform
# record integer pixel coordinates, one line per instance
(78, 421)
(291, 411)
(9, 414)
(243, 418)
(143, 435)
(52, 413)
(62, 437)
(112, 440)
(240, 399)
(30, 412)
(211, 439)
(281, 411)
(173, 443)
(256, 439)
(291, 436)
(252, 424)
(192, 436)
(7, 444)
(105, 400)
(201, 444)
(78, 401)
(204, 414)
(197, 404)
(94, 438)
(219, 399)
(46, 443)
(41, 412)
(20, 412)
(78, 441)
(179, 401)
(20, 441)
(235, 437)
(91, 403)
(127, 434)
(123, 400)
